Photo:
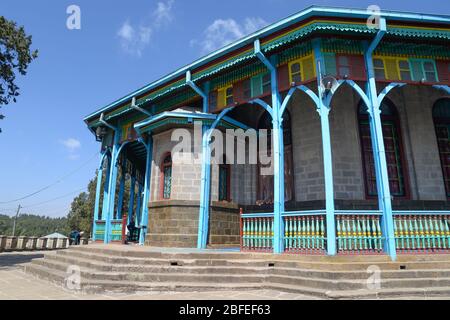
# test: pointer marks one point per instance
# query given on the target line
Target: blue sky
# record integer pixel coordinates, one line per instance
(120, 47)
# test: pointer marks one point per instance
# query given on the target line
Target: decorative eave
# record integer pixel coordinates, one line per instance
(300, 25)
(183, 118)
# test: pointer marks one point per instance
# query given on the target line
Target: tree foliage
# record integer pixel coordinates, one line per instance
(33, 226)
(15, 56)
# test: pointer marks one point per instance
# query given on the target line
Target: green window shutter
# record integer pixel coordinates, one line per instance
(257, 86)
(330, 64)
(416, 69)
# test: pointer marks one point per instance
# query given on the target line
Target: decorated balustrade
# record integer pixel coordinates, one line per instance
(257, 232)
(359, 232)
(305, 232)
(422, 232)
(99, 231)
(118, 229)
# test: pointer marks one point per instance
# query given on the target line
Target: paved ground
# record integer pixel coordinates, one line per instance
(16, 285)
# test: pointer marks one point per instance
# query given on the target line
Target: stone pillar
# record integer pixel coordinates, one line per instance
(31, 243)
(42, 244)
(21, 243)
(2, 243)
(51, 243)
(11, 243)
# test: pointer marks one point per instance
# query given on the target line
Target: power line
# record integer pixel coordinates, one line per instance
(52, 184)
(54, 199)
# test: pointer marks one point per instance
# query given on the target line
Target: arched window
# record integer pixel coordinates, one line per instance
(393, 147)
(441, 117)
(166, 177)
(224, 181)
(265, 182)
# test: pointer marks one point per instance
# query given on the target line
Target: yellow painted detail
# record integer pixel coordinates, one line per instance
(307, 69)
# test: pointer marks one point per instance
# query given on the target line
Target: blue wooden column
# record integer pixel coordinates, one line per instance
(147, 189)
(376, 132)
(97, 194)
(112, 187)
(323, 108)
(278, 150)
(106, 190)
(121, 194)
(138, 204)
(205, 182)
(131, 202)
(205, 188)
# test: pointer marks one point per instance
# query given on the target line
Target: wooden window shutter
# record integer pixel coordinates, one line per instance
(257, 86)
(358, 67)
(391, 68)
(330, 64)
(213, 100)
(416, 69)
(443, 68)
(283, 77)
(221, 98)
(238, 92)
(308, 68)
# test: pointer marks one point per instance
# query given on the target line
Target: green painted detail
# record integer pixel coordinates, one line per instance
(294, 52)
(305, 234)
(419, 33)
(358, 233)
(225, 65)
(235, 75)
(422, 233)
(257, 234)
(317, 26)
(116, 230)
(99, 231)
(413, 50)
(330, 64)
(337, 45)
(184, 121)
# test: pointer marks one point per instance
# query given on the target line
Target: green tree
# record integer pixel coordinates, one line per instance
(82, 209)
(15, 56)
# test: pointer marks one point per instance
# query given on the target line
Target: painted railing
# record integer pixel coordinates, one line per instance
(422, 232)
(257, 232)
(117, 230)
(99, 230)
(359, 232)
(305, 232)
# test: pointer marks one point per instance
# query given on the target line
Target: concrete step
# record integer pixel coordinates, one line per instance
(204, 261)
(268, 277)
(240, 270)
(395, 293)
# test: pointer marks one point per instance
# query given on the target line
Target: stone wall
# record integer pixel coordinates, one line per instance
(22, 243)
(174, 223)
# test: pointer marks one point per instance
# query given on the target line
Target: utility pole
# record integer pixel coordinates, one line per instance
(15, 220)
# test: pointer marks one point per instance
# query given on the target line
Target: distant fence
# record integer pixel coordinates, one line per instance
(33, 243)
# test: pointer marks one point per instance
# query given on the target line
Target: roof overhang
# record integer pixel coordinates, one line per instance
(313, 11)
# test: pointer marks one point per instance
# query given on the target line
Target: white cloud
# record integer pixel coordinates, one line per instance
(72, 145)
(135, 38)
(163, 13)
(224, 31)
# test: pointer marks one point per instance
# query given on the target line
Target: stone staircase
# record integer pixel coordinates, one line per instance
(109, 268)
